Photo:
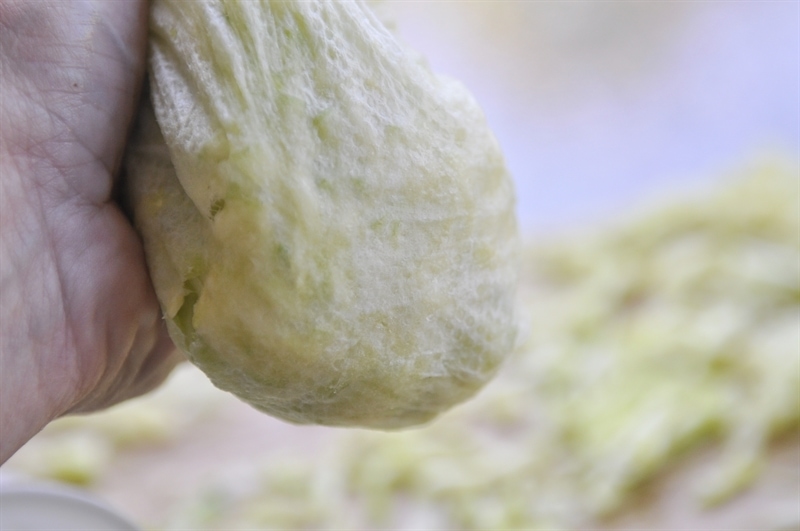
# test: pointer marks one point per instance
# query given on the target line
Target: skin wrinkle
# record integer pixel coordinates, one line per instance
(45, 156)
(121, 49)
(146, 372)
(32, 272)
(68, 341)
(80, 327)
(137, 342)
(72, 254)
(126, 60)
(45, 63)
(93, 42)
(70, 170)
(96, 213)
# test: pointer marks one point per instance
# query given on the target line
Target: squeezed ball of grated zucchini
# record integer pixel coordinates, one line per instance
(329, 226)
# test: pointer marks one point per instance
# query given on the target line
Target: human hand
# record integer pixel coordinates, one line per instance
(80, 326)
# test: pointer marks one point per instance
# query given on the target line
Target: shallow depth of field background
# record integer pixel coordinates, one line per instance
(603, 109)
(600, 105)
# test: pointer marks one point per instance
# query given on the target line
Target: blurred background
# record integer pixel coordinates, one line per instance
(655, 148)
(599, 105)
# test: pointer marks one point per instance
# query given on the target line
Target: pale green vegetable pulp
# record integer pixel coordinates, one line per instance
(335, 243)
